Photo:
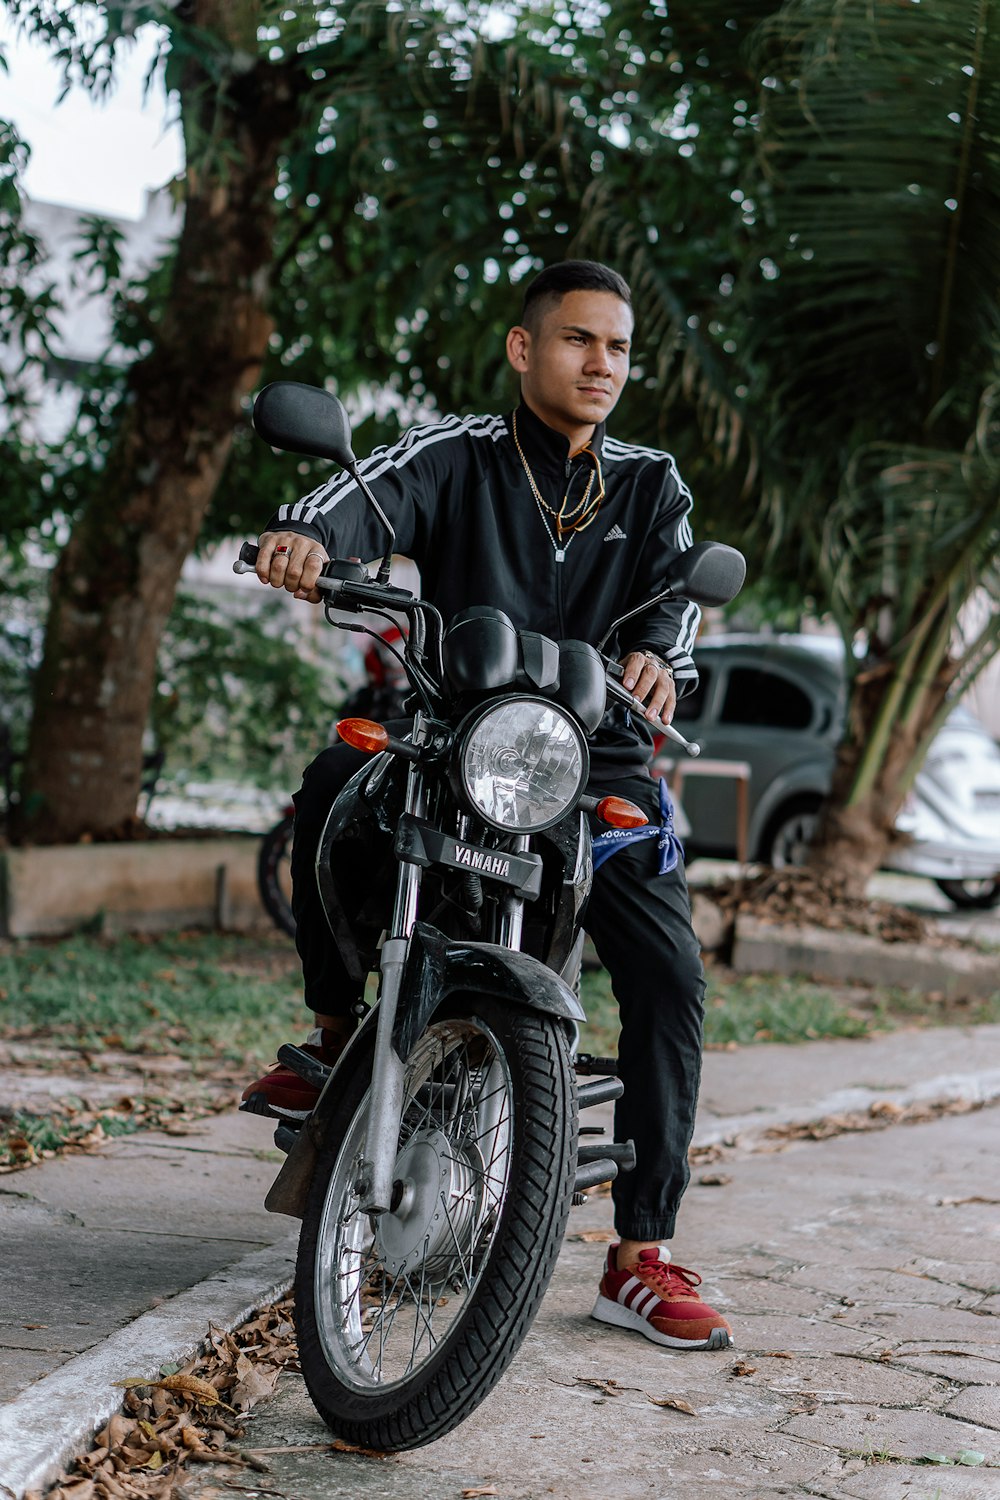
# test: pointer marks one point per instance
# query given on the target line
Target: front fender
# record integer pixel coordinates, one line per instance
(437, 966)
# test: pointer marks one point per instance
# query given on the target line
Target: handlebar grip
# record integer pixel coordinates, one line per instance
(247, 560)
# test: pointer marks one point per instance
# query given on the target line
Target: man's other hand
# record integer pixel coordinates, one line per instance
(652, 682)
(289, 561)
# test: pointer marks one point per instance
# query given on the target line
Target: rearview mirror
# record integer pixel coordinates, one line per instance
(303, 419)
(708, 573)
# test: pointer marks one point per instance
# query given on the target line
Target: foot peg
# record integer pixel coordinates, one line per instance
(309, 1068)
(285, 1137)
(599, 1092)
(602, 1163)
(586, 1062)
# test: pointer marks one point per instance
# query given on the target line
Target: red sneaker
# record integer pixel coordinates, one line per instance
(660, 1301)
(282, 1094)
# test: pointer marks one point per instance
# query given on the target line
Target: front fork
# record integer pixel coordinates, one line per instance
(376, 1174)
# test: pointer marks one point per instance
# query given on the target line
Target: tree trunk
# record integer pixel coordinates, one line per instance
(115, 582)
(857, 826)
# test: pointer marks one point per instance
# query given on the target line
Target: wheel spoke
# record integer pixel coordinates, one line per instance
(454, 1152)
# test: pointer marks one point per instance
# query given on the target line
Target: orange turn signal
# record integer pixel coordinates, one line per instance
(620, 814)
(364, 734)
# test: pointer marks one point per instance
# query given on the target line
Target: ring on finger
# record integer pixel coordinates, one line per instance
(280, 551)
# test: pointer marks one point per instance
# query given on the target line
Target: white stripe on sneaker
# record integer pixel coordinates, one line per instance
(627, 1288)
(646, 1306)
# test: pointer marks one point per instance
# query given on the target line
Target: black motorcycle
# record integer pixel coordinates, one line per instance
(435, 1175)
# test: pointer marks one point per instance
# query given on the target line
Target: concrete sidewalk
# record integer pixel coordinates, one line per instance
(833, 1252)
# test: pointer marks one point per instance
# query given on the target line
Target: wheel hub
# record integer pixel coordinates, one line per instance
(435, 1207)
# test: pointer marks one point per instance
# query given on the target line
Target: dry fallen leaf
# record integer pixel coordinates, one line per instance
(483, 1489)
(676, 1403)
(742, 1368)
(256, 1383)
(593, 1237)
(714, 1179)
(339, 1446)
(609, 1387)
(778, 1354)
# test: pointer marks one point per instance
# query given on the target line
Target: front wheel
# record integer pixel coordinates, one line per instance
(973, 895)
(406, 1322)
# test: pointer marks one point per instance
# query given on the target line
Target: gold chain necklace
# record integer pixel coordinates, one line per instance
(584, 512)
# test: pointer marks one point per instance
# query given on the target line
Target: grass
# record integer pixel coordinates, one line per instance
(743, 1009)
(192, 994)
(223, 1004)
(110, 1015)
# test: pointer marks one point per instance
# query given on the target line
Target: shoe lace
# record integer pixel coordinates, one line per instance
(672, 1279)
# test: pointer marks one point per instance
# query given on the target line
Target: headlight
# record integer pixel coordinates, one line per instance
(522, 764)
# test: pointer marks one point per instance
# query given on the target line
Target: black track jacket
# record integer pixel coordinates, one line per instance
(458, 497)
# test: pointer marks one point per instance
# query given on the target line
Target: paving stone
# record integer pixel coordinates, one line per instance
(969, 1367)
(743, 1294)
(896, 1482)
(946, 1324)
(837, 1379)
(15, 1376)
(977, 1404)
(805, 1335)
(976, 1272)
(904, 1433)
(892, 1285)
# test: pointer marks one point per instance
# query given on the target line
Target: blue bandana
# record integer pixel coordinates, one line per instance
(606, 844)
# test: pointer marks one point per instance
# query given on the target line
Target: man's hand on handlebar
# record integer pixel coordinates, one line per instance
(287, 560)
(652, 683)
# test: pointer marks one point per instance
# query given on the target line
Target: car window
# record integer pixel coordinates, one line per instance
(765, 699)
(692, 705)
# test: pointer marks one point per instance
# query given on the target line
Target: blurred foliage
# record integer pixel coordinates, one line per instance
(236, 695)
(804, 196)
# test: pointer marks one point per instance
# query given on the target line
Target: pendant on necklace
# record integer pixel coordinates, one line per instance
(560, 554)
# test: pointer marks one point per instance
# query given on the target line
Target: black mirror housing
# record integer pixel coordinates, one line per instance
(304, 419)
(708, 573)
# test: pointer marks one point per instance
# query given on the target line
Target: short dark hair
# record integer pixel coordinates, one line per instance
(553, 282)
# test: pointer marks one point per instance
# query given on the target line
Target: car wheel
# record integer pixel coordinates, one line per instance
(980, 895)
(787, 837)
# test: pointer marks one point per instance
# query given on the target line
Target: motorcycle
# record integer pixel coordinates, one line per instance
(435, 1175)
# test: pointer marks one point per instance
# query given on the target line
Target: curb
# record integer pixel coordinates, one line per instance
(854, 958)
(56, 1417)
(752, 1132)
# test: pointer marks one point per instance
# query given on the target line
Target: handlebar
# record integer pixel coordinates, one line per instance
(349, 584)
(345, 583)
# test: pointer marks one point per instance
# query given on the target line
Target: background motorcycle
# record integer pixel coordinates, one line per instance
(380, 696)
(435, 1175)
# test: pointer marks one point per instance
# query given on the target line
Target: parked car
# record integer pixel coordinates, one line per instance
(777, 703)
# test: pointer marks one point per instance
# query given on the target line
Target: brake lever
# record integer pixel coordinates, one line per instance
(690, 747)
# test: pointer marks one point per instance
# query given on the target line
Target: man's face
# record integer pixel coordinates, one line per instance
(574, 364)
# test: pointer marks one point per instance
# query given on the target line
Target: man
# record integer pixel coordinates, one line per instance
(565, 529)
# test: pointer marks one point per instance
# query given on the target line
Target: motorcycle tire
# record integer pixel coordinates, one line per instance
(971, 895)
(273, 874)
(405, 1324)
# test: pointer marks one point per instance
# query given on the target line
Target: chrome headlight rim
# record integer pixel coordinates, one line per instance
(472, 721)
